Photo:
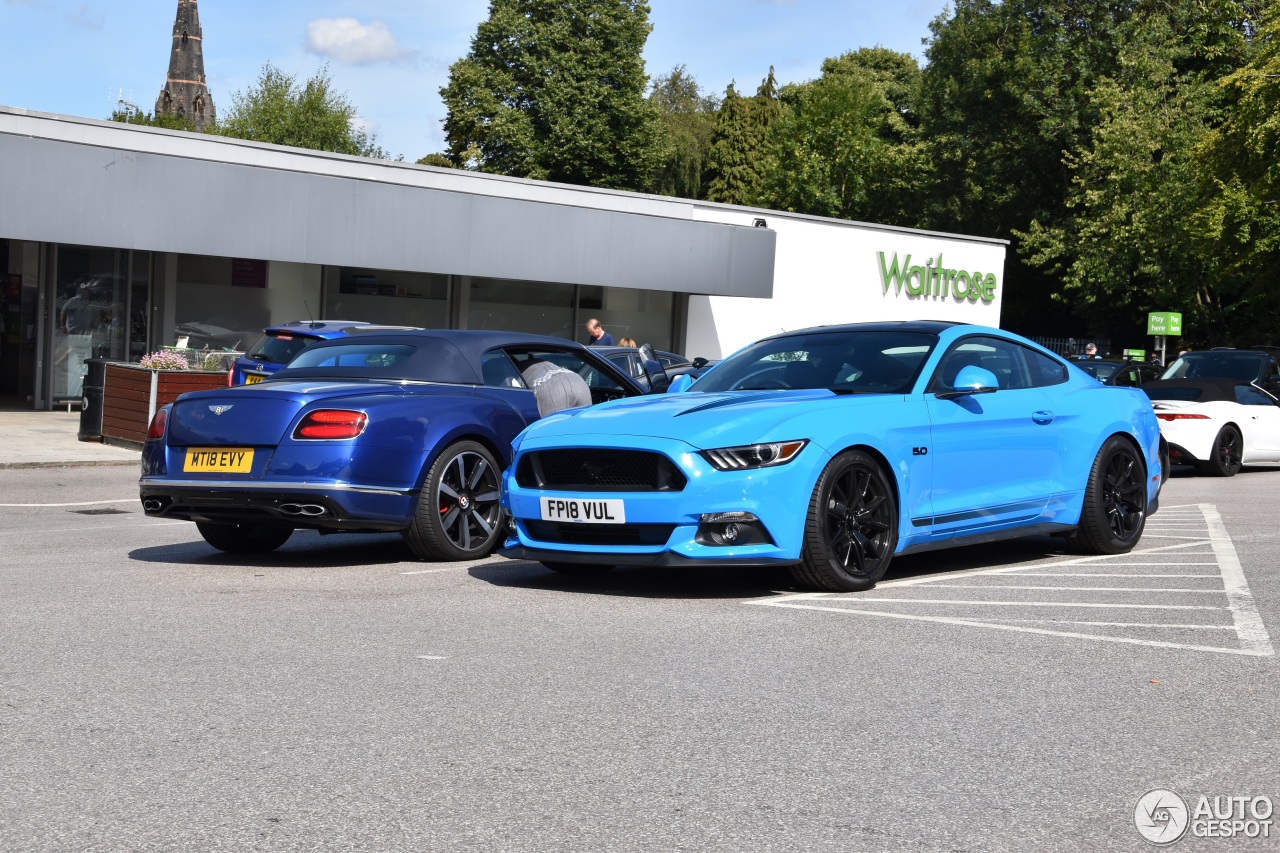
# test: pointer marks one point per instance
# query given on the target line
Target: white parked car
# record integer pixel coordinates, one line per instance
(1217, 425)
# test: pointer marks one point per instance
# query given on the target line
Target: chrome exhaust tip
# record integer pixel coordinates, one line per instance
(310, 510)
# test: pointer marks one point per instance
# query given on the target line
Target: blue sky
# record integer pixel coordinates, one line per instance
(390, 57)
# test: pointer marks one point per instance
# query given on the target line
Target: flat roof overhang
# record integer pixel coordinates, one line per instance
(101, 183)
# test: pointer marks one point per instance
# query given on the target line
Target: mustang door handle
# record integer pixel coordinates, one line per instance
(1042, 417)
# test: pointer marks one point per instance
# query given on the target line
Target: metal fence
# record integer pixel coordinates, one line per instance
(1070, 347)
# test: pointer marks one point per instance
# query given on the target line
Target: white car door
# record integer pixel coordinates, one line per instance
(1260, 417)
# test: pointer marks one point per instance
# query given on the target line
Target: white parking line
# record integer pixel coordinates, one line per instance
(980, 602)
(1201, 534)
(1253, 634)
(133, 499)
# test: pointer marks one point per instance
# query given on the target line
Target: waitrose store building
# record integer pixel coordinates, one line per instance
(117, 240)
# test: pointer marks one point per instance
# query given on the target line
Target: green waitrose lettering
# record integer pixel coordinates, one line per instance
(934, 281)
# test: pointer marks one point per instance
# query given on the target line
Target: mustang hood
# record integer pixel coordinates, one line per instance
(708, 420)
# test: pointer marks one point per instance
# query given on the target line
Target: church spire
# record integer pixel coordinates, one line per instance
(185, 94)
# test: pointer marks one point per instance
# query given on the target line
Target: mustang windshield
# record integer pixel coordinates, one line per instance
(845, 362)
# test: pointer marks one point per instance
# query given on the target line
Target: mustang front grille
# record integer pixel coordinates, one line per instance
(589, 469)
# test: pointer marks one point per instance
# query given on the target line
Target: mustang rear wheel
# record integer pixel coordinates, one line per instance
(851, 529)
(458, 516)
(1224, 460)
(243, 538)
(1115, 501)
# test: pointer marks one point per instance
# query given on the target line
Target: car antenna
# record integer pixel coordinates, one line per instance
(310, 320)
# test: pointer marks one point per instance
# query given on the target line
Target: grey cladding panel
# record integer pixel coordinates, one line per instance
(75, 193)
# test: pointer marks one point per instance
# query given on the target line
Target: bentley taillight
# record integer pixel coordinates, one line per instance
(330, 424)
(158, 422)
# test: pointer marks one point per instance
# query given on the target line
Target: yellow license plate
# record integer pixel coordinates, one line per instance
(250, 378)
(223, 460)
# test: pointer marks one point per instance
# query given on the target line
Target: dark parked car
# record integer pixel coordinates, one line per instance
(279, 344)
(628, 358)
(404, 431)
(1120, 371)
(1258, 366)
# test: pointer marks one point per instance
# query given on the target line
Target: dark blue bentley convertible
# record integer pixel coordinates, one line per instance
(404, 431)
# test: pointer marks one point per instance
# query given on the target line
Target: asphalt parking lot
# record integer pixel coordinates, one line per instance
(336, 695)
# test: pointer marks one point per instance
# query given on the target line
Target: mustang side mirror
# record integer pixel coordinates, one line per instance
(659, 381)
(680, 383)
(971, 380)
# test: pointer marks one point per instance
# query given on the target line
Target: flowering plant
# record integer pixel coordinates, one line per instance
(164, 360)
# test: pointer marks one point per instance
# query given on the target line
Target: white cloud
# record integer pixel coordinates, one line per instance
(350, 42)
(81, 16)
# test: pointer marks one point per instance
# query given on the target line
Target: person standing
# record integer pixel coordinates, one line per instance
(599, 337)
(1090, 352)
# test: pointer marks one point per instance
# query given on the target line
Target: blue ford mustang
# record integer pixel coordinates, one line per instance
(402, 431)
(833, 449)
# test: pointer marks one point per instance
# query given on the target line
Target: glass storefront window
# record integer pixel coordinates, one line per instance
(91, 309)
(389, 297)
(221, 302)
(522, 306)
(139, 305)
(642, 315)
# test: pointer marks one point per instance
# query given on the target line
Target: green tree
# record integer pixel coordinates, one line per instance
(846, 146)
(736, 161)
(437, 159)
(1004, 93)
(555, 90)
(1236, 225)
(687, 118)
(311, 115)
(166, 121)
(729, 171)
(1130, 237)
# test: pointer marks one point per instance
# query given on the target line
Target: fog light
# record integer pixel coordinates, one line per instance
(726, 529)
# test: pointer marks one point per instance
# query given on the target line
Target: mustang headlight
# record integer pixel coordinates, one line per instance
(754, 455)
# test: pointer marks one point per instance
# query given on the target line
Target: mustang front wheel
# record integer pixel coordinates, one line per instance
(851, 529)
(243, 538)
(458, 516)
(1115, 501)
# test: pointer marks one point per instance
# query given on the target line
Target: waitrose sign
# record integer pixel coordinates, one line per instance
(934, 281)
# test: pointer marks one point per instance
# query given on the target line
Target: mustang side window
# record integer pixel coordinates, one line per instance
(1045, 371)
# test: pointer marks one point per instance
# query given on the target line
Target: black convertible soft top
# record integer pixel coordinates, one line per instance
(449, 356)
(1195, 390)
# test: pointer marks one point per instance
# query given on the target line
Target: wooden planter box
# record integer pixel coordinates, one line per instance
(131, 394)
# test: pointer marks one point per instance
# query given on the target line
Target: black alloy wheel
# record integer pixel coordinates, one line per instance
(851, 529)
(1115, 501)
(1225, 460)
(458, 515)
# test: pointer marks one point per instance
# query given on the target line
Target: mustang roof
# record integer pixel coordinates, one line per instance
(930, 327)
